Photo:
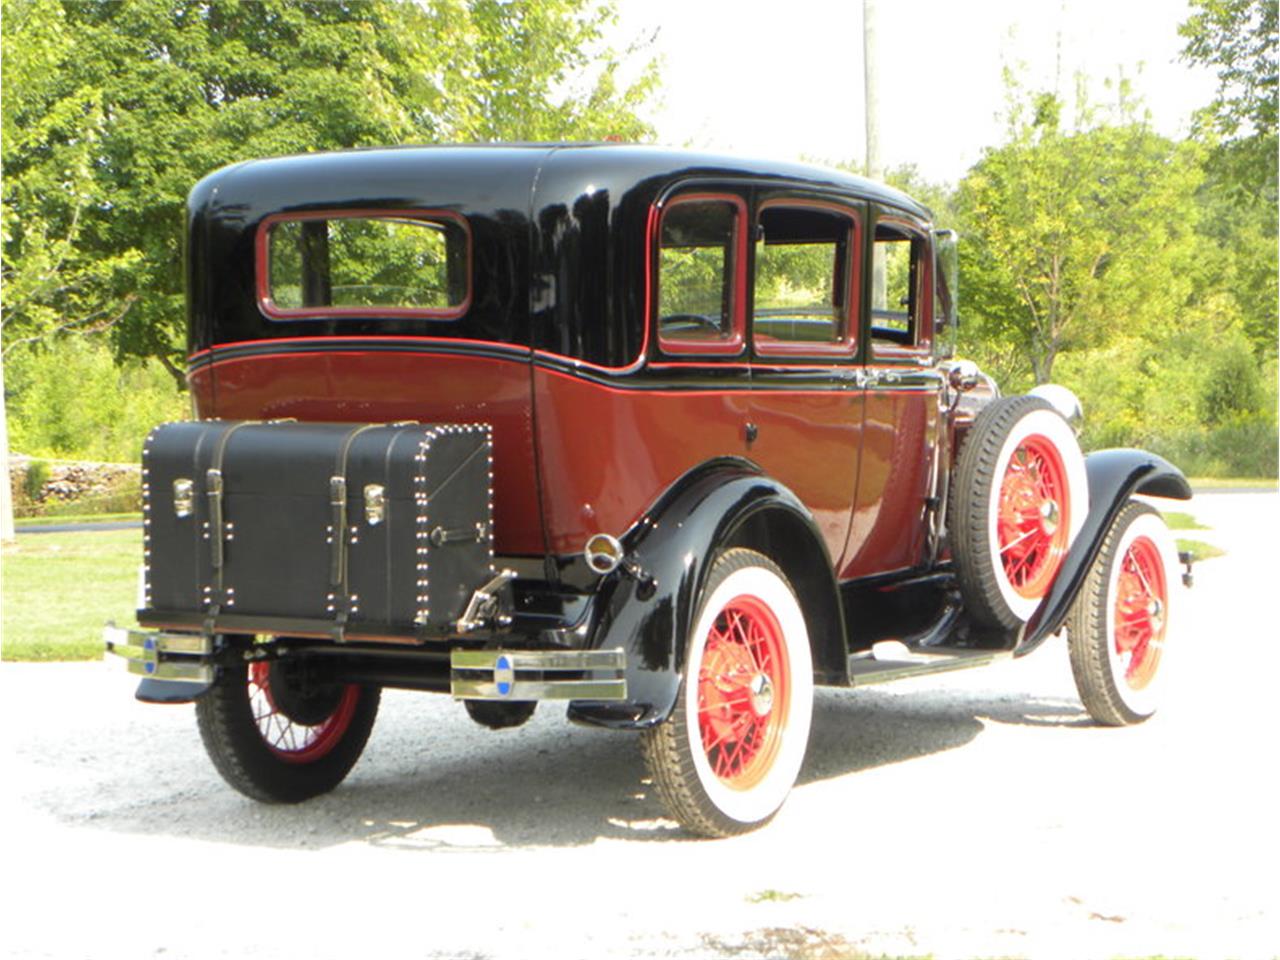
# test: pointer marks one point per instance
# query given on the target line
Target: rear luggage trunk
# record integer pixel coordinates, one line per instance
(323, 529)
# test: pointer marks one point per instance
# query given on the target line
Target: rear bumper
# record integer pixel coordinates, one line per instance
(178, 657)
(180, 666)
(537, 675)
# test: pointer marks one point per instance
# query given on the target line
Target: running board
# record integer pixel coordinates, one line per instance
(888, 661)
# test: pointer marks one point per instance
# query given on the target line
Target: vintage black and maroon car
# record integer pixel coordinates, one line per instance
(667, 436)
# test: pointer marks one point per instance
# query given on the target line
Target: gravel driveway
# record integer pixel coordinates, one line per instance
(973, 815)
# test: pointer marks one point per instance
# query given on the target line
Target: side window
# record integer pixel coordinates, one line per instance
(805, 280)
(701, 242)
(899, 295)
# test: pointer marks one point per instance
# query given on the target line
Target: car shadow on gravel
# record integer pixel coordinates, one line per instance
(430, 780)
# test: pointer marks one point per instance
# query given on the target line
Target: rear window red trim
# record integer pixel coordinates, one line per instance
(262, 266)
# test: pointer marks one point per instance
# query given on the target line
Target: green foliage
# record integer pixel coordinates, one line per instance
(54, 281)
(1073, 236)
(542, 71)
(75, 402)
(1240, 40)
(1194, 395)
(113, 110)
(34, 479)
(1232, 389)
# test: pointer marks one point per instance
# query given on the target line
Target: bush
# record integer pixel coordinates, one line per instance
(71, 401)
(1195, 394)
(34, 479)
(1246, 446)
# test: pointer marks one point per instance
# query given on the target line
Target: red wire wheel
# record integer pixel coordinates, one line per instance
(1034, 516)
(302, 731)
(278, 732)
(1019, 496)
(1141, 613)
(1119, 626)
(726, 758)
(744, 688)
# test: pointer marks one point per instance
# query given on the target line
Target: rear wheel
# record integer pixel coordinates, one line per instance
(1020, 497)
(726, 758)
(277, 735)
(1119, 624)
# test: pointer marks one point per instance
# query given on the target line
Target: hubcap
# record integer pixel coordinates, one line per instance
(1033, 517)
(761, 694)
(1049, 517)
(743, 692)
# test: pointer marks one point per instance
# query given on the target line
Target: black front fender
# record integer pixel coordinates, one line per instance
(1114, 476)
(649, 610)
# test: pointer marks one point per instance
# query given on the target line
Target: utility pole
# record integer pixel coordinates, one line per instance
(874, 166)
(871, 94)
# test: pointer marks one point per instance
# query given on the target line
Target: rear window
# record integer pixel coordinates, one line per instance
(402, 263)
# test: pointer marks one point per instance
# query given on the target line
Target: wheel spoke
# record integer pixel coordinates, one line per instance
(739, 733)
(1013, 543)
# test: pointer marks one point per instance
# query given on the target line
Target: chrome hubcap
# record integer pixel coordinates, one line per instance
(761, 695)
(1050, 517)
(1155, 610)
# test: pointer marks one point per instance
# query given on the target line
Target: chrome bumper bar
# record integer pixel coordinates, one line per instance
(523, 675)
(161, 656)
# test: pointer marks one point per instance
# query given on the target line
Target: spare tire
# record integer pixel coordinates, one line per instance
(1018, 498)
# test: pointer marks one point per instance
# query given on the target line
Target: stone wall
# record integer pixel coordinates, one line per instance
(73, 481)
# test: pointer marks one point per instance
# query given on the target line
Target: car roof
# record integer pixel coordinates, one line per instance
(621, 164)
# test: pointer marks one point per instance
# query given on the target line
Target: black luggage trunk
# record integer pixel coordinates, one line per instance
(348, 530)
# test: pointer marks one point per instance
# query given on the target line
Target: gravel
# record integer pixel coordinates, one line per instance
(977, 814)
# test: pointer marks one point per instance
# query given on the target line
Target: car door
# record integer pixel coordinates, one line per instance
(899, 433)
(806, 401)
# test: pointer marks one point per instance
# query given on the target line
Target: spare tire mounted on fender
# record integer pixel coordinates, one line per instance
(1019, 498)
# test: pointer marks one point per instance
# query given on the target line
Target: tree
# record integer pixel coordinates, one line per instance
(543, 72)
(1072, 234)
(52, 283)
(1240, 40)
(136, 100)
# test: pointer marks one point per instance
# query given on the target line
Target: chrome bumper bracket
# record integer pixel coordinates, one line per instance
(161, 656)
(523, 675)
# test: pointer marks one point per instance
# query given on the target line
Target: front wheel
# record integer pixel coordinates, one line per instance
(1119, 623)
(279, 735)
(726, 758)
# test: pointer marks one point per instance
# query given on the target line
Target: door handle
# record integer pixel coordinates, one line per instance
(861, 378)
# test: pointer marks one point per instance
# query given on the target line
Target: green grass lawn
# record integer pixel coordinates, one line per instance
(77, 518)
(1182, 521)
(60, 588)
(1200, 483)
(1198, 549)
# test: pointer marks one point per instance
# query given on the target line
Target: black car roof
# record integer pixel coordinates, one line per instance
(384, 171)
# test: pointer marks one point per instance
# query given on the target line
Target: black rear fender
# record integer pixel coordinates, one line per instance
(648, 609)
